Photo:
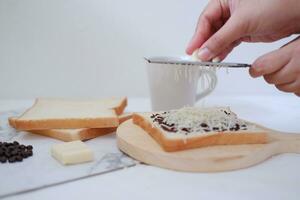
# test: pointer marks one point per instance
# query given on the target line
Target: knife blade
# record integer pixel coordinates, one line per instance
(185, 61)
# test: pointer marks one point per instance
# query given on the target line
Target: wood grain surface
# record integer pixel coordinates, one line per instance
(135, 142)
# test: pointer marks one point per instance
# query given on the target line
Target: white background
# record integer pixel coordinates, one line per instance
(94, 48)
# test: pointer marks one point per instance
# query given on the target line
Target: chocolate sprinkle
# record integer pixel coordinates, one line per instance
(186, 130)
(203, 125)
(169, 129)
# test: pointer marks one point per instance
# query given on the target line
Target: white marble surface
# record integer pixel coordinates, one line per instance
(276, 178)
(42, 170)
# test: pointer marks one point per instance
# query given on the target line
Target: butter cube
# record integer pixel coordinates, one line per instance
(72, 152)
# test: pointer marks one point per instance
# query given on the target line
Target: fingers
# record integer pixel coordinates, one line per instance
(290, 87)
(269, 63)
(263, 38)
(224, 54)
(281, 68)
(232, 30)
(203, 32)
(283, 76)
(209, 21)
(252, 39)
(291, 72)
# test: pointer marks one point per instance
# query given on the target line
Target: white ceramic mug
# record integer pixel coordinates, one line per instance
(174, 86)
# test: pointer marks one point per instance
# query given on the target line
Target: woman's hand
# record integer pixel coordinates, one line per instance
(225, 23)
(281, 67)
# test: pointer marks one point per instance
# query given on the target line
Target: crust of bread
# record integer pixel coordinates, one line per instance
(11, 121)
(71, 123)
(121, 107)
(68, 135)
(211, 139)
(124, 117)
(66, 123)
(81, 134)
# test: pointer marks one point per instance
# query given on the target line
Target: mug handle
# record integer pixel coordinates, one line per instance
(212, 83)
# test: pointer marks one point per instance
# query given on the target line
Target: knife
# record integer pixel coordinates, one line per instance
(188, 61)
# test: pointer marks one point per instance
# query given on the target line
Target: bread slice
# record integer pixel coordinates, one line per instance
(68, 135)
(172, 141)
(117, 104)
(58, 113)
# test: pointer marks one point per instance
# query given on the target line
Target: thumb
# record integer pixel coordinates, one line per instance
(230, 32)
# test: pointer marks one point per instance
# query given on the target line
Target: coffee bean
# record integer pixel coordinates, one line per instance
(29, 153)
(9, 144)
(12, 159)
(11, 148)
(29, 147)
(14, 152)
(19, 158)
(24, 154)
(7, 154)
(3, 159)
(5, 148)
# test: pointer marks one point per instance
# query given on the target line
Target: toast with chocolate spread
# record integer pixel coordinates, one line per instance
(191, 127)
(71, 114)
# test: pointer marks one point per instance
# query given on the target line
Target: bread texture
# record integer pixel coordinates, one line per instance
(173, 142)
(71, 114)
(68, 135)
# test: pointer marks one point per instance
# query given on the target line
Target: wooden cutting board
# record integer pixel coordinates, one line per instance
(135, 142)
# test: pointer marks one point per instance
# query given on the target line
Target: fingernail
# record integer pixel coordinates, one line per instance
(216, 60)
(257, 69)
(255, 72)
(195, 55)
(204, 54)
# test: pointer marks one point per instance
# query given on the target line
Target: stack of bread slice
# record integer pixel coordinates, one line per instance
(70, 120)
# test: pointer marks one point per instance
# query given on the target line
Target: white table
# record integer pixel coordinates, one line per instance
(276, 178)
